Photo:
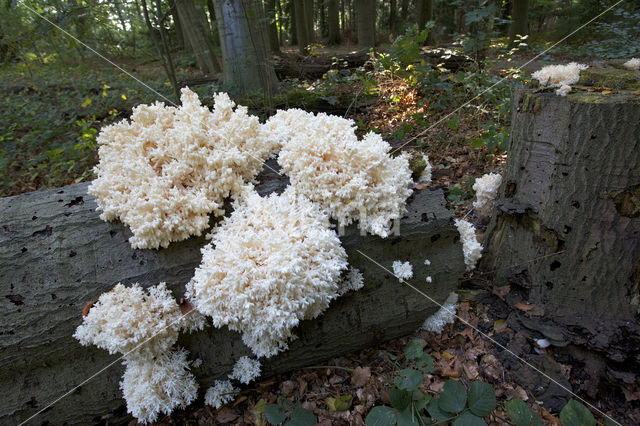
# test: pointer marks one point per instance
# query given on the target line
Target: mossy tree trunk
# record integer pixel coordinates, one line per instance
(566, 232)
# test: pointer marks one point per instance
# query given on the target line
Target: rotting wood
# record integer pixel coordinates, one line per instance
(56, 254)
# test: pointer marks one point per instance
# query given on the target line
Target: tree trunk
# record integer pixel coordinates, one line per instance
(519, 20)
(281, 23)
(293, 27)
(566, 231)
(196, 34)
(163, 50)
(178, 28)
(334, 22)
(366, 17)
(301, 25)
(272, 29)
(404, 12)
(56, 254)
(309, 21)
(425, 13)
(247, 62)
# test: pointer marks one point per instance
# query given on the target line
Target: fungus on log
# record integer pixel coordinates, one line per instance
(56, 254)
(566, 231)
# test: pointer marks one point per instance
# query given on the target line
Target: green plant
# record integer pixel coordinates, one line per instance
(411, 406)
(574, 413)
(276, 414)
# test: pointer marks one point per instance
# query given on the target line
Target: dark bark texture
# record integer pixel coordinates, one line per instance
(566, 232)
(56, 254)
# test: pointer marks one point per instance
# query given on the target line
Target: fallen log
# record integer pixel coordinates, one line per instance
(56, 254)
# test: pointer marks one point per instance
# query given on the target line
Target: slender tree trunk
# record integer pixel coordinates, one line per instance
(392, 16)
(178, 27)
(301, 25)
(309, 21)
(425, 12)
(519, 20)
(404, 11)
(334, 22)
(272, 29)
(343, 21)
(293, 23)
(165, 56)
(366, 17)
(247, 62)
(118, 9)
(280, 20)
(197, 36)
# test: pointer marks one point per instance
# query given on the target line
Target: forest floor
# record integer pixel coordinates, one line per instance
(364, 378)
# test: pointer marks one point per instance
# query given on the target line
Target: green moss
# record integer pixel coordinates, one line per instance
(417, 165)
(611, 77)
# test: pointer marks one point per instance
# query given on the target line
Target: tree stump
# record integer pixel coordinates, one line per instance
(566, 231)
(56, 254)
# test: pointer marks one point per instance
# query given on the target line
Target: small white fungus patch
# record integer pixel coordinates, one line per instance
(353, 281)
(402, 270)
(445, 315)
(633, 64)
(425, 176)
(220, 393)
(471, 248)
(245, 370)
(158, 384)
(486, 189)
(564, 90)
(559, 75)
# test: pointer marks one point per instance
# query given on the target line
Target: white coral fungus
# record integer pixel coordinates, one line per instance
(633, 64)
(427, 262)
(402, 271)
(445, 315)
(425, 176)
(353, 281)
(559, 75)
(125, 319)
(349, 178)
(486, 188)
(271, 264)
(245, 370)
(157, 385)
(220, 393)
(429, 279)
(471, 248)
(564, 90)
(163, 172)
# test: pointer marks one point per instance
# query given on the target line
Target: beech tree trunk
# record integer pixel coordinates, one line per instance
(425, 12)
(519, 20)
(366, 23)
(334, 22)
(247, 62)
(566, 231)
(56, 254)
(192, 23)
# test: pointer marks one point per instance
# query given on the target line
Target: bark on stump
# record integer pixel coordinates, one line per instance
(55, 254)
(566, 231)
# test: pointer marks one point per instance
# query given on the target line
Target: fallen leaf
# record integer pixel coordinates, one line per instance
(523, 307)
(87, 307)
(360, 376)
(447, 356)
(499, 325)
(226, 415)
